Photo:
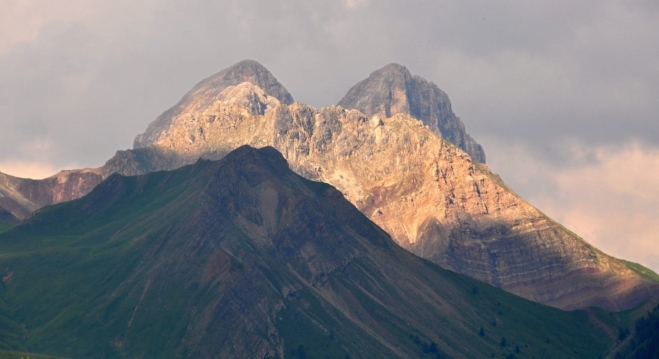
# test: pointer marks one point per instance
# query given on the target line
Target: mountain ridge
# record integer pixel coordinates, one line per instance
(427, 193)
(244, 258)
(22, 196)
(421, 189)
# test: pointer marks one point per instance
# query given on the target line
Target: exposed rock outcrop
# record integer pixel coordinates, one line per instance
(428, 194)
(205, 93)
(393, 90)
(23, 196)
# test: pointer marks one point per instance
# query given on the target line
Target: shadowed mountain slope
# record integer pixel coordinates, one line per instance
(6, 216)
(428, 194)
(244, 258)
(393, 90)
(7, 220)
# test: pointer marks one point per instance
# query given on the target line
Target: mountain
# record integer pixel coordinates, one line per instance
(642, 342)
(22, 196)
(428, 194)
(393, 90)
(7, 220)
(244, 258)
(205, 93)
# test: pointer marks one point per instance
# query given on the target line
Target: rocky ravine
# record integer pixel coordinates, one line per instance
(427, 193)
(393, 90)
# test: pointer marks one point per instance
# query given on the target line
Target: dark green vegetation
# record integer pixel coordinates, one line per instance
(7, 220)
(4, 225)
(19, 355)
(243, 258)
(643, 341)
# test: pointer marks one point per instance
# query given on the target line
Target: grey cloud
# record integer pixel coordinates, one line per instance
(533, 73)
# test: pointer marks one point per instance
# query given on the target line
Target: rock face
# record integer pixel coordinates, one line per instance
(22, 196)
(242, 258)
(205, 93)
(393, 90)
(428, 194)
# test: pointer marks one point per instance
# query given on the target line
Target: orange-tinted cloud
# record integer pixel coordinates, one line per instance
(22, 169)
(612, 203)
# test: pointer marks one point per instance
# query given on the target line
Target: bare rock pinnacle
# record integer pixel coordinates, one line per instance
(393, 90)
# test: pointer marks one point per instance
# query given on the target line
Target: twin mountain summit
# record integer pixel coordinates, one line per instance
(243, 224)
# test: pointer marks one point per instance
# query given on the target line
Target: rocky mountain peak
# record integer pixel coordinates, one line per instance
(208, 91)
(384, 92)
(428, 194)
(394, 90)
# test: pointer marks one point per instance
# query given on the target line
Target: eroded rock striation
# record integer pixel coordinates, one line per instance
(393, 90)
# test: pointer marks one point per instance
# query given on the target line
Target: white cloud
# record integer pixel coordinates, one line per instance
(34, 170)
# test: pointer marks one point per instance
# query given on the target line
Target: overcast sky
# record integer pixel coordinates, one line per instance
(563, 95)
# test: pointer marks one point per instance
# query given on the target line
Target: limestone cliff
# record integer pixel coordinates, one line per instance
(428, 194)
(393, 90)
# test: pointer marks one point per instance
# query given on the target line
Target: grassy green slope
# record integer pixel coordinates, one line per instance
(7, 220)
(4, 225)
(125, 272)
(644, 271)
(66, 268)
(22, 355)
